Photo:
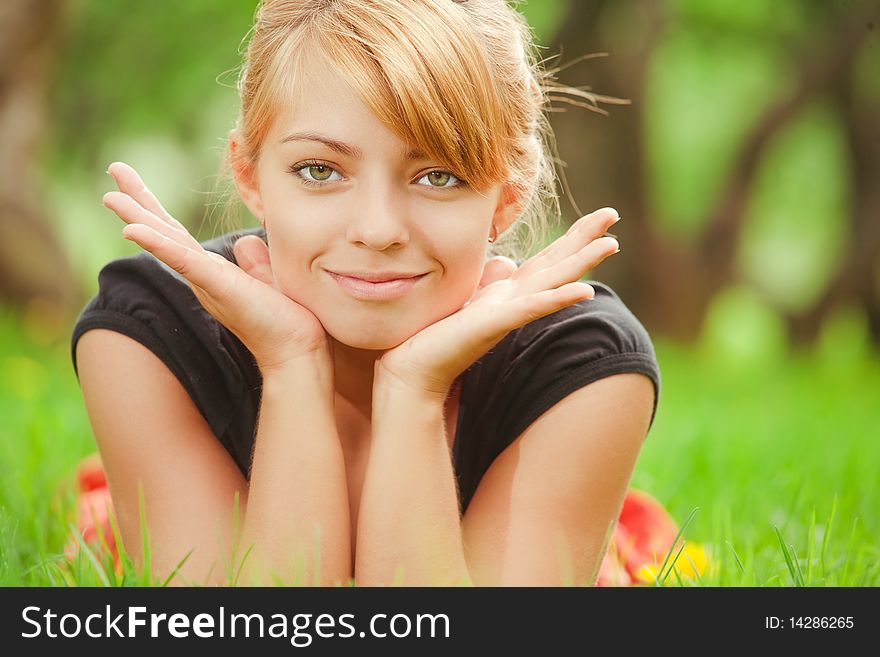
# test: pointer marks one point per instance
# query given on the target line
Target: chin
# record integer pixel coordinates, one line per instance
(380, 329)
(379, 339)
(368, 342)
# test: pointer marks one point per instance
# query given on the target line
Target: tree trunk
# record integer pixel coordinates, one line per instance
(666, 281)
(34, 271)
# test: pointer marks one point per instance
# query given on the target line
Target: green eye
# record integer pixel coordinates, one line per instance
(314, 172)
(320, 172)
(442, 180)
(439, 178)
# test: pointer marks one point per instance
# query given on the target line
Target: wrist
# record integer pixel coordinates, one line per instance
(314, 369)
(388, 384)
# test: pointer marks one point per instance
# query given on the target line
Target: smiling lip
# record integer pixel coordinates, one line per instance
(376, 286)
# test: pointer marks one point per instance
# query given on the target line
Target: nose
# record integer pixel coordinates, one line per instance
(379, 219)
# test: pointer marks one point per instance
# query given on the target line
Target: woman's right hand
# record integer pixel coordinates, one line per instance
(244, 298)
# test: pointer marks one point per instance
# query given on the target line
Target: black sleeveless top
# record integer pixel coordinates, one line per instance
(502, 393)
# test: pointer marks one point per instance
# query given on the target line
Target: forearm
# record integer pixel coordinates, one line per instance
(297, 516)
(409, 528)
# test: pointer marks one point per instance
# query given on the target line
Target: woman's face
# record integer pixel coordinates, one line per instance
(340, 194)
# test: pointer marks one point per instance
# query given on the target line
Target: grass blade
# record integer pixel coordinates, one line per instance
(739, 562)
(146, 573)
(176, 568)
(787, 555)
(827, 536)
(797, 565)
(241, 565)
(85, 549)
(848, 559)
(694, 568)
(812, 531)
(662, 580)
(675, 541)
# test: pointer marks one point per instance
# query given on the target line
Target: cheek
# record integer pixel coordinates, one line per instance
(296, 239)
(292, 249)
(461, 251)
(462, 270)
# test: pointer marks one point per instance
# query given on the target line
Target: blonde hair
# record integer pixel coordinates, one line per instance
(459, 79)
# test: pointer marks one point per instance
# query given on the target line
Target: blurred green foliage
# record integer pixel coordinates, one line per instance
(796, 221)
(719, 67)
(153, 84)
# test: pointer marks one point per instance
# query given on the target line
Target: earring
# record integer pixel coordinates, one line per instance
(494, 235)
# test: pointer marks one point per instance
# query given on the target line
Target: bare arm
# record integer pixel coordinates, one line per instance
(298, 514)
(149, 431)
(409, 528)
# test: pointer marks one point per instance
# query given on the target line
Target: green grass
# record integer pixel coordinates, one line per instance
(771, 466)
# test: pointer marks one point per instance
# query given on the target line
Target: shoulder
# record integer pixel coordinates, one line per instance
(145, 300)
(542, 362)
(540, 365)
(572, 394)
(141, 296)
(594, 329)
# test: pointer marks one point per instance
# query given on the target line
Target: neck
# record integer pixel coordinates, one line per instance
(353, 375)
(353, 371)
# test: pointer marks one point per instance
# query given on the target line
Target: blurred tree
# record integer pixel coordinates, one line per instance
(857, 278)
(33, 266)
(669, 279)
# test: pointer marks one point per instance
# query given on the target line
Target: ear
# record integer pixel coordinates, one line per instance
(511, 203)
(244, 174)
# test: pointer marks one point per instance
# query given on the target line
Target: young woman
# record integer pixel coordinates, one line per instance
(389, 403)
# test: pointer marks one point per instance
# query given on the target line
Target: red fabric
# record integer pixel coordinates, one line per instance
(93, 510)
(644, 534)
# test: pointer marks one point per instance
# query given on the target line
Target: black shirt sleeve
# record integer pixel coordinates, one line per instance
(141, 297)
(536, 366)
(589, 340)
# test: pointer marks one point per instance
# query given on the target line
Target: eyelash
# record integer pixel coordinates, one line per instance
(296, 168)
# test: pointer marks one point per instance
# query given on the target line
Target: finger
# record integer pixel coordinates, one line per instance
(130, 182)
(210, 274)
(252, 255)
(132, 212)
(578, 264)
(496, 269)
(529, 308)
(572, 268)
(580, 233)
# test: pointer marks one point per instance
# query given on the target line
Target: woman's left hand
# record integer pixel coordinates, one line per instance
(506, 298)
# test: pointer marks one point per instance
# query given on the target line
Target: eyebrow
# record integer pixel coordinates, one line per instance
(341, 147)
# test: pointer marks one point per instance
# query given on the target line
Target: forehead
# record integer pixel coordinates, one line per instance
(325, 109)
(317, 93)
